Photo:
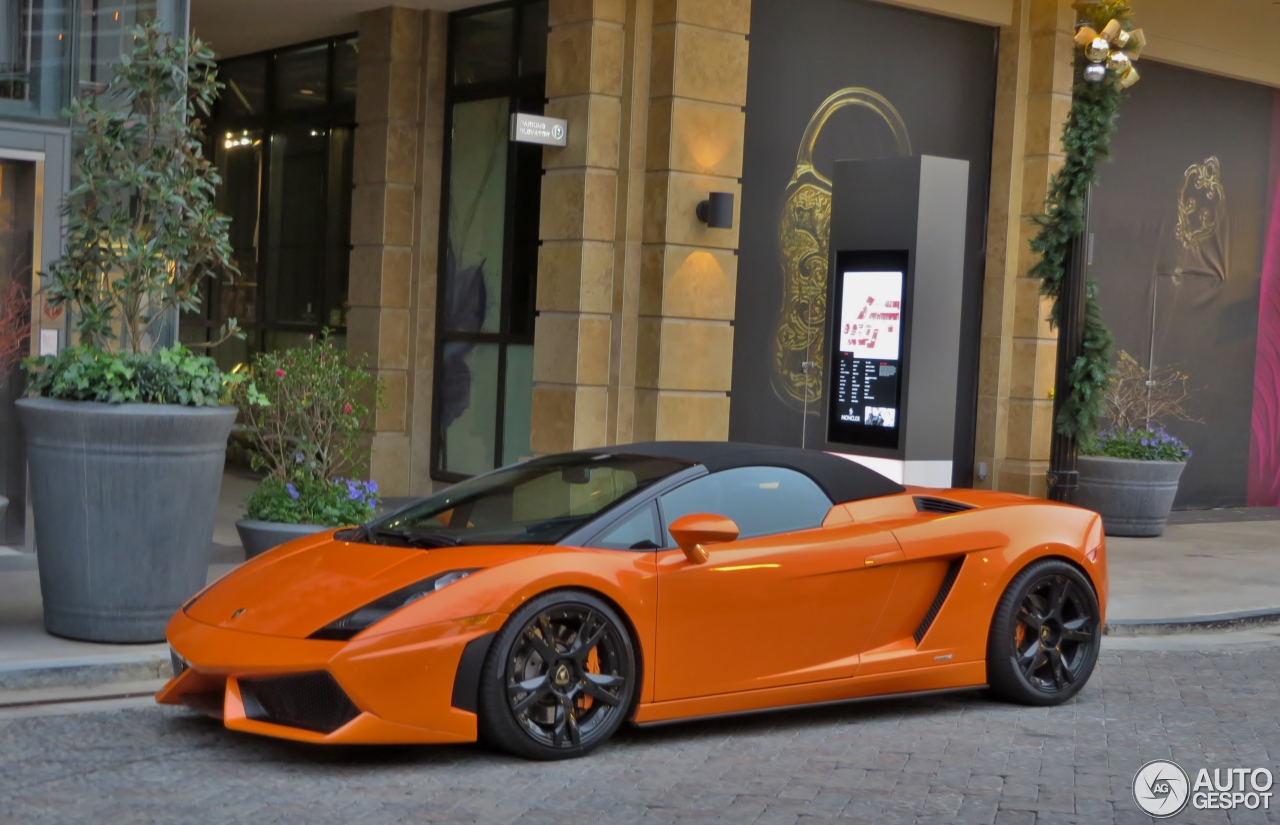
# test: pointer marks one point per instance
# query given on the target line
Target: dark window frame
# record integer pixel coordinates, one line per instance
(271, 121)
(525, 93)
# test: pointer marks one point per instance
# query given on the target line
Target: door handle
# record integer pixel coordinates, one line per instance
(881, 559)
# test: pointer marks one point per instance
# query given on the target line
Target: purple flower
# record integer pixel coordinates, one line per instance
(297, 458)
(293, 491)
(371, 486)
(1144, 443)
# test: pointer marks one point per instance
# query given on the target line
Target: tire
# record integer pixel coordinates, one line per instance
(1044, 635)
(573, 703)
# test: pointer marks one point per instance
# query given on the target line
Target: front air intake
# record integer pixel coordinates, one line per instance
(310, 701)
(929, 504)
(948, 581)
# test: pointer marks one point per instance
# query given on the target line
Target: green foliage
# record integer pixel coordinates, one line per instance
(1144, 444)
(307, 434)
(308, 499)
(142, 231)
(163, 376)
(1086, 140)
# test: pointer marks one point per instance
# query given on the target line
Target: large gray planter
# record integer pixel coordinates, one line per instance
(260, 536)
(125, 497)
(1133, 497)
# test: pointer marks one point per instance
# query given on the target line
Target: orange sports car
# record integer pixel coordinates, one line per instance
(540, 606)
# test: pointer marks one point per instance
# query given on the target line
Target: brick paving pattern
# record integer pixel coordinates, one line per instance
(951, 760)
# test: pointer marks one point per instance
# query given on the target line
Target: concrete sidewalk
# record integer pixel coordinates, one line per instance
(1211, 570)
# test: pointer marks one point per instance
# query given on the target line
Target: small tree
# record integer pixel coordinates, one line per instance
(1138, 397)
(142, 231)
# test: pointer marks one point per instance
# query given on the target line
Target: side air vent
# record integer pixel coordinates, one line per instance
(948, 581)
(929, 504)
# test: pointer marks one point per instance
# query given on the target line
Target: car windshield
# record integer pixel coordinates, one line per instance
(537, 502)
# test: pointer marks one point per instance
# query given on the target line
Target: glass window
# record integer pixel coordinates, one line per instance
(245, 94)
(482, 46)
(468, 408)
(35, 49)
(106, 34)
(302, 78)
(18, 215)
(477, 215)
(538, 502)
(639, 531)
(517, 405)
(489, 258)
(296, 226)
(346, 56)
(762, 501)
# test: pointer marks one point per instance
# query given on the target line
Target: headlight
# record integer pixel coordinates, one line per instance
(361, 619)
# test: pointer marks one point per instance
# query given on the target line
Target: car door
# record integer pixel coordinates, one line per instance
(789, 602)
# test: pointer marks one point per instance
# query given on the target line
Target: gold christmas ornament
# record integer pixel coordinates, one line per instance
(1098, 50)
(1111, 50)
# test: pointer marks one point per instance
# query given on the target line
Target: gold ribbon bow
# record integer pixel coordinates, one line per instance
(1111, 50)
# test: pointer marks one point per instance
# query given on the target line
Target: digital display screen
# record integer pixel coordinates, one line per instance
(865, 374)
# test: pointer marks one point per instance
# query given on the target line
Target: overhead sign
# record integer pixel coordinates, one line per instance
(547, 131)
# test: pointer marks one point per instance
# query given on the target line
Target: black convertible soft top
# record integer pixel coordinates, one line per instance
(841, 479)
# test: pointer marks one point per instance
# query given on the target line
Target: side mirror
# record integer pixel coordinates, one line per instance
(696, 530)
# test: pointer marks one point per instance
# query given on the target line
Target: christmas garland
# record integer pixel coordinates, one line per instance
(1104, 66)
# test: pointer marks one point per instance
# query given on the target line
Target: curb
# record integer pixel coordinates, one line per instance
(86, 672)
(1193, 624)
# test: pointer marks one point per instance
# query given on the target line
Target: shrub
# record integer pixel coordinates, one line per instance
(165, 376)
(309, 500)
(1144, 444)
(306, 435)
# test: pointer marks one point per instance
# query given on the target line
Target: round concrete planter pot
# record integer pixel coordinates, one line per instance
(1133, 497)
(260, 536)
(124, 497)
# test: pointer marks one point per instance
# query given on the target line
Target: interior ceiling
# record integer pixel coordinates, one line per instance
(235, 27)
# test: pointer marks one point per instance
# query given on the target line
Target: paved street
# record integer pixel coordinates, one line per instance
(954, 759)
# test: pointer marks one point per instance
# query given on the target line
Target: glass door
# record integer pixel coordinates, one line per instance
(17, 248)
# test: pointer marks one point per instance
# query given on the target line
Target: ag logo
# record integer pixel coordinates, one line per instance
(1161, 789)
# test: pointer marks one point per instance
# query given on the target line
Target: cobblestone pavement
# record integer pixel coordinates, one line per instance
(952, 759)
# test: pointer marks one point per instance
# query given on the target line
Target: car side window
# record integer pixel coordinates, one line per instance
(638, 531)
(762, 501)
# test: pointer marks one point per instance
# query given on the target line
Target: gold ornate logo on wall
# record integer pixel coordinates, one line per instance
(1200, 216)
(804, 238)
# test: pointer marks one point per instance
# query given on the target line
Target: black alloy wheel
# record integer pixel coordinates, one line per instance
(1044, 635)
(559, 679)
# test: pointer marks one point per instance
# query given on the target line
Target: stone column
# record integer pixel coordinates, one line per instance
(573, 330)
(698, 91)
(1019, 348)
(394, 231)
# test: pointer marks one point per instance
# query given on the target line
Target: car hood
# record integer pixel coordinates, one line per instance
(298, 588)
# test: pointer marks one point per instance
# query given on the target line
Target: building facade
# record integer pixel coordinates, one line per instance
(49, 50)
(518, 300)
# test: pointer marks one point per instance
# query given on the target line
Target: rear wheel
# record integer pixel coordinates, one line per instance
(1044, 635)
(559, 679)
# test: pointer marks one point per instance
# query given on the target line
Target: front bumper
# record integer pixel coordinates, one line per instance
(396, 688)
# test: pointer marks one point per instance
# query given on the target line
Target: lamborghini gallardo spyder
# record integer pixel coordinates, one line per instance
(541, 606)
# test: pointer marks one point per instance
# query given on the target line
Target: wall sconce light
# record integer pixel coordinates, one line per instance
(717, 210)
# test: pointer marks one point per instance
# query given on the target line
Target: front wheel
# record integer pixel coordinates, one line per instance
(559, 679)
(1044, 635)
